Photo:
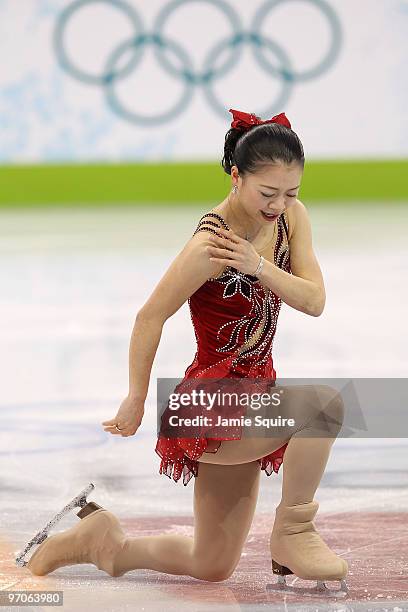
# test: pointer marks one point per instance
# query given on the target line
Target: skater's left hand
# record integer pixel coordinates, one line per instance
(128, 418)
(234, 251)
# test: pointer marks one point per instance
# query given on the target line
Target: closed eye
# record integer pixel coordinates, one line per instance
(270, 196)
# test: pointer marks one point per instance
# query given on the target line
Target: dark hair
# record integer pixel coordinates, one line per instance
(262, 144)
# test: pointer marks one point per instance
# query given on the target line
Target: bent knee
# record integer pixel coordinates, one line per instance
(215, 575)
(115, 572)
(215, 571)
(332, 404)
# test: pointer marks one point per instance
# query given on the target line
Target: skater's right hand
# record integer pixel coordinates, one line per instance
(128, 418)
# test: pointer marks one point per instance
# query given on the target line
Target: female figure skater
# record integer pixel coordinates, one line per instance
(246, 255)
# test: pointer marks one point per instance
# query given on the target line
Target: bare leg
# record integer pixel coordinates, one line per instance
(308, 405)
(303, 467)
(295, 545)
(224, 503)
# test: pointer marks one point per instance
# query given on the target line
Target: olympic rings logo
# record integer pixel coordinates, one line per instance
(164, 46)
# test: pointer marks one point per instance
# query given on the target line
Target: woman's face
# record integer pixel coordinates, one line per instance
(272, 189)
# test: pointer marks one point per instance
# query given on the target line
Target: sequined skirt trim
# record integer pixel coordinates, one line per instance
(176, 459)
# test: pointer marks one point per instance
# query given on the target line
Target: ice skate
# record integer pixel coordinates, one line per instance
(96, 539)
(297, 548)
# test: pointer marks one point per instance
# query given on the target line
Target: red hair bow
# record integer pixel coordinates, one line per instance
(244, 121)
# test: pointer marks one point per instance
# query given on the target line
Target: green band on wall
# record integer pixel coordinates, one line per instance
(51, 185)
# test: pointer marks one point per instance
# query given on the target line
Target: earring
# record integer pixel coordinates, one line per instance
(235, 189)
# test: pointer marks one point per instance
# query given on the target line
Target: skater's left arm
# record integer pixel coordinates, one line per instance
(304, 288)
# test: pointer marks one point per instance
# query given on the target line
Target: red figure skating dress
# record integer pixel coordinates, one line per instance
(234, 318)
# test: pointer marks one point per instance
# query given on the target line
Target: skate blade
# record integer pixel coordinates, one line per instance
(320, 590)
(78, 501)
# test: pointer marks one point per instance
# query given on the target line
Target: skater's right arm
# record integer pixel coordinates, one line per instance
(188, 271)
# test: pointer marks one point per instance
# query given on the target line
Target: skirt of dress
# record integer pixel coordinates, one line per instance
(179, 455)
